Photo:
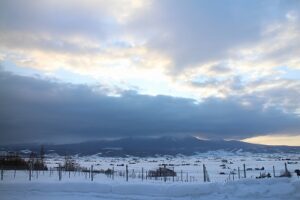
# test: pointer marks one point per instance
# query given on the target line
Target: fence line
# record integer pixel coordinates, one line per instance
(163, 174)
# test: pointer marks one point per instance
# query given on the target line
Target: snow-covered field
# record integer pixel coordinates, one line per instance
(192, 166)
(283, 188)
(188, 184)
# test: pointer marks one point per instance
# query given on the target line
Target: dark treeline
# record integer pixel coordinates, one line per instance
(13, 161)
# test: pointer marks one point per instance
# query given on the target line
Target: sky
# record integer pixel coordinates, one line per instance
(78, 70)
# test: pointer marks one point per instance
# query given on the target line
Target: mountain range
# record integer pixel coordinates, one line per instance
(150, 147)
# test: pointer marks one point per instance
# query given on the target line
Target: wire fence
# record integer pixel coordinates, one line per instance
(161, 174)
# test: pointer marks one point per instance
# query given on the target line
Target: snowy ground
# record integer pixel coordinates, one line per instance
(192, 166)
(274, 189)
(46, 185)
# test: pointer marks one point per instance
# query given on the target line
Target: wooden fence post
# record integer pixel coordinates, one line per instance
(204, 173)
(173, 174)
(126, 173)
(146, 174)
(187, 177)
(181, 175)
(30, 166)
(274, 171)
(165, 174)
(2, 172)
(244, 170)
(285, 168)
(142, 174)
(239, 173)
(59, 172)
(92, 173)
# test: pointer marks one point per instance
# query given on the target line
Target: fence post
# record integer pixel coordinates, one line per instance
(30, 165)
(127, 173)
(113, 173)
(181, 175)
(187, 177)
(133, 174)
(2, 172)
(244, 170)
(239, 175)
(274, 171)
(204, 173)
(59, 172)
(285, 167)
(142, 174)
(165, 174)
(92, 173)
(173, 174)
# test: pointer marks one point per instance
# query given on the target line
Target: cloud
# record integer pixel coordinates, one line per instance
(86, 38)
(35, 110)
(187, 34)
(95, 18)
(63, 27)
(219, 69)
(239, 57)
(196, 32)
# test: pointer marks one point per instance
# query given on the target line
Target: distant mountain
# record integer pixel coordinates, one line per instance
(151, 147)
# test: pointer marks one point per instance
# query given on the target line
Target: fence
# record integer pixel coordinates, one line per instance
(164, 174)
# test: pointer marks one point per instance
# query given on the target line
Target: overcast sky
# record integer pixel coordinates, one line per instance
(77, 70)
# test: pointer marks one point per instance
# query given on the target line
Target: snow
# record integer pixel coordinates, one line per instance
(75, 186)
(25, 151)
(280, 188)
(193, 164)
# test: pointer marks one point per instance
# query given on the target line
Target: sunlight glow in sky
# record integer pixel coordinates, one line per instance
(275, 140)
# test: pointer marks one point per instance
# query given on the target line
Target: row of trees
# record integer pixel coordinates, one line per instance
(13, 161)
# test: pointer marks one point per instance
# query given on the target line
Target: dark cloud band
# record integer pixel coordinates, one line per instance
(33, 109)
